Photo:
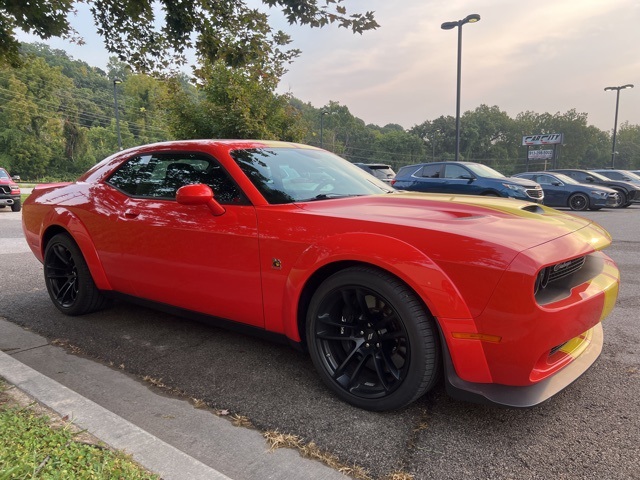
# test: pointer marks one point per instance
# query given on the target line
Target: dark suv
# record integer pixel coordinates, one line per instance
(9, 192)
(465, 177)
(627, 192)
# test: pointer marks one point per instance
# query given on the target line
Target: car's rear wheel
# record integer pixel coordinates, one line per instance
(578, 201)
(371, 339)
(68, 278)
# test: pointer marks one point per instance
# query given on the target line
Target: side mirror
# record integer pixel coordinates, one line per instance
(556, 184)
(589, 179)
(199, 194)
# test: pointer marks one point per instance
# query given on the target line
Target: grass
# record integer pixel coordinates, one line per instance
(35, 445)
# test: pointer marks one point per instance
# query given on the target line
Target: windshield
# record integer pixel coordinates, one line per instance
(3, 174)
(602, 178)
(564, 179)
(287, 175)
(480, 170)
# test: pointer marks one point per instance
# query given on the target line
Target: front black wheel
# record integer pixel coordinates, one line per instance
(17, 206)
(68, 278)
(371, 339)
(621, 201)
(578, 202)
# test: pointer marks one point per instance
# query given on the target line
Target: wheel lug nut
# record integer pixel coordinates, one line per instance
(366, 345)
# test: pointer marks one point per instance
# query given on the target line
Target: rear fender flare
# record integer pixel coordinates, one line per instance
(63, 218)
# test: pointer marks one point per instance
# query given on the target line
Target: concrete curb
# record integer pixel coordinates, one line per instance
(146, 449)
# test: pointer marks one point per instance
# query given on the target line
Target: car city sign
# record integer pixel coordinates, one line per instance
(546, 139)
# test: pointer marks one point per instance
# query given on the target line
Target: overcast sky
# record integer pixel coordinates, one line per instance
(543, 56)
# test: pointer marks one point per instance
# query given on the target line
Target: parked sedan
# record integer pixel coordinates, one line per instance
(387, 291)
(562, 191)
(465, 178)
(627, 192)
(624, 175)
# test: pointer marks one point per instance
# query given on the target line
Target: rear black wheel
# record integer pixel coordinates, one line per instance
(371, 339)
(68, 278)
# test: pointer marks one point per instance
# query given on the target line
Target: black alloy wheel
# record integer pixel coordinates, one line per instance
(621, 201)
(68, 278)
(579, 202)
(371, 339)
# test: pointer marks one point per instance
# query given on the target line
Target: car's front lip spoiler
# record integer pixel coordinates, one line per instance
(526, 396)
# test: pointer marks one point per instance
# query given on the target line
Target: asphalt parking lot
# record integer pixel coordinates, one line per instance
(589, 431)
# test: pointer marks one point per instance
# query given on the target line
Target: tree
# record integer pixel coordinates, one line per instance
(231, 103)
(224, 29)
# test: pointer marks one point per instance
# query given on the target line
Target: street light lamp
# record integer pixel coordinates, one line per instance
(322, 114)
(473, 18)
(615, 122)
(117, 81)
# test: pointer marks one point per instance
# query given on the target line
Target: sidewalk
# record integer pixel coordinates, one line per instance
(166, 435)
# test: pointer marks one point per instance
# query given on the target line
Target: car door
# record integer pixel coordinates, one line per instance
(556, 193)
(427, 179)
(183, 255)
(457, 179)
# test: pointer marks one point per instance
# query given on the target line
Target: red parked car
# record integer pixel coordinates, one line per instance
(386, 290)
(9, 192)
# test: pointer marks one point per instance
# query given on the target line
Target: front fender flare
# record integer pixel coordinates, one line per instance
(401, 259)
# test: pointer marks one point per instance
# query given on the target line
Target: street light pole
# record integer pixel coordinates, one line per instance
(473, 18)
(322, 114)
(615, 122)
(117, 81)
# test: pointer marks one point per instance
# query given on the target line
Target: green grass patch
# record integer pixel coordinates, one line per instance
(31, 447)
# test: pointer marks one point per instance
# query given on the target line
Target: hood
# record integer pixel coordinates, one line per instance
(518, 224)
(520, 181)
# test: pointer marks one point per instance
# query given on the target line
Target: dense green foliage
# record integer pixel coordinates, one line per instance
(154, 34)
(57, 118)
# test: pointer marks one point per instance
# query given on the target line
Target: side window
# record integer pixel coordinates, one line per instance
(431, 171)
(455, 171)
(544, 179)
(161, 175)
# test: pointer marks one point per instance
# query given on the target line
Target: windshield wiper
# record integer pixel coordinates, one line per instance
(327, 196)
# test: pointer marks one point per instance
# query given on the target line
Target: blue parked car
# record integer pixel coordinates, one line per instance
(563, 191)
(467, 178)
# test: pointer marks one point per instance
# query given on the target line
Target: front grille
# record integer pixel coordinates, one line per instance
(561, 270)
(534, 192)
(557, 272)
(5, 188)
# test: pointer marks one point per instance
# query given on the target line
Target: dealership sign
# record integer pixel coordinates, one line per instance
(547, 139)
(540, 154)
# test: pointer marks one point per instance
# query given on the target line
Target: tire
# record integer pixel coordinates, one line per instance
(622, 200)
(17, 206)
(371, 339)
(68, 278)
(578, 202)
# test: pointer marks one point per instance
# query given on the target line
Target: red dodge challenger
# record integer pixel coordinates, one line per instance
(386, 290)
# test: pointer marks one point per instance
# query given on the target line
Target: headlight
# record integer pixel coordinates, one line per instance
(600, 194)
(517, 188)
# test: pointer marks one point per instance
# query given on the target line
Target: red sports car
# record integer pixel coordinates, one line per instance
(385, 289)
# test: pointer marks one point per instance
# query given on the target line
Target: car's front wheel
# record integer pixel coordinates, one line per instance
(17, 206)
(68, 278)
(371, 339)
(579, 202)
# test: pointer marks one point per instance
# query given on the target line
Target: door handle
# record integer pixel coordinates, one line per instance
(131, 213)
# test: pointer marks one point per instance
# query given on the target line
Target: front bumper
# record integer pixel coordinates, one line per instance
(525, 396)
(7, 201)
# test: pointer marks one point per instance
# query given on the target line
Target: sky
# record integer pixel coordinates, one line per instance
(541, 56)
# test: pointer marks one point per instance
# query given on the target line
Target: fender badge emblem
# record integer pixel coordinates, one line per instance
(276, 264)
